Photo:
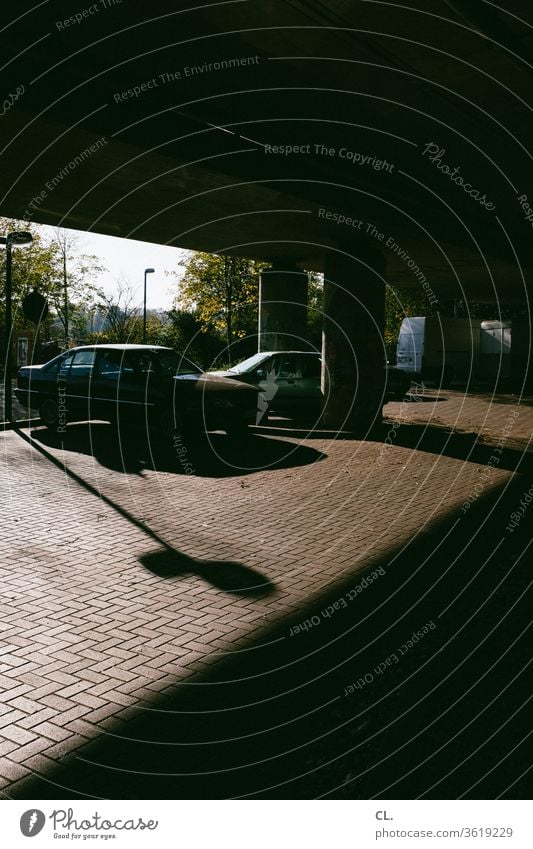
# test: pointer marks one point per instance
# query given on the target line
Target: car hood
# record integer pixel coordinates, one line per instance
(209, 382)
(221, 373)
(234, 378)
(29, 369)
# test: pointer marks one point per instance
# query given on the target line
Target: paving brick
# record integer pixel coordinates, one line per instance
(51, 730)
(101, 713)
(10, 717)
(24, 704)
(17, 734)
(72, 689)
(40, 763)
(36, 718)
(57, 702)
(7, 746)
(72, 750)
(22, 753)
(12, 771)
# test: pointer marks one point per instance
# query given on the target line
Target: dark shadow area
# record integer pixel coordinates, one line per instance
(226, 575)
(300, 429)
(469, 447)
(437, 639)
(504, 394)
(413, 397)
(432, 439)
(205, 455)
(515, 401)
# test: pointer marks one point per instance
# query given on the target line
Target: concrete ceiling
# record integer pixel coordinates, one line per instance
(180, 105)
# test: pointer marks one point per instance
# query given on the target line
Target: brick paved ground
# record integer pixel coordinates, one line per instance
(146, 613)
(19, 412)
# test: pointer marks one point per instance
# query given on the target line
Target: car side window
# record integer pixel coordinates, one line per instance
(110, 365)
(64, 366)
(265, 369)
(82, 363)
(137, 363)
(288, 367)
(311, 367)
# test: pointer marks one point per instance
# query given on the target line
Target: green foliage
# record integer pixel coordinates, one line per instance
(223, 292)
(73, 292)
(315, 306)
(32, 267)
(186, 333)
(49, 265)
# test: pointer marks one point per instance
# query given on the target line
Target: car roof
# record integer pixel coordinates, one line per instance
(122, 346)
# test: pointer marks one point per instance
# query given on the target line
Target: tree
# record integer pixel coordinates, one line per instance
(120, 317)
(222, 291)
(33, 265)
(53, 265)
(73, 292)
(33, 268)
(187, 334)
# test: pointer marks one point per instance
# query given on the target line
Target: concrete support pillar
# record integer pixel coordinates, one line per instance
(283, 308)
(353, 350)
(522, 353)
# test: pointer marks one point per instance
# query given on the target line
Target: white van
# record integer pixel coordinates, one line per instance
(439, 349)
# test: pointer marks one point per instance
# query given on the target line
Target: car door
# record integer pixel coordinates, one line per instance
(75, 375)
(106, 381)
(286, 368)
(122, 384)
(310, 371)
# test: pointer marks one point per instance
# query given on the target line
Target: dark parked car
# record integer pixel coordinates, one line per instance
(149, 386)
(290, 380)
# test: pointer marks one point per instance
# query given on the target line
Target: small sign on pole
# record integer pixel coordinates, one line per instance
(22, 351)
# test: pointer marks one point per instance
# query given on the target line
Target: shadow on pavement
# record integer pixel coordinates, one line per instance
(409, 679)
(226, 575)
(415, 398)
(469, 447)
(205, 455)
(167, 562)
(433, 439)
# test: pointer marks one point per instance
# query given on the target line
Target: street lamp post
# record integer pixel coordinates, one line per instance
(17, 237)
(146, 271)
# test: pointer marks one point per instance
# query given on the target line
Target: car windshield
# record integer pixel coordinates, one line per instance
(249, 364)
(171, 362)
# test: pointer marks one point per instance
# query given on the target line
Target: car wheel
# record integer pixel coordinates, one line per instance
(237, 428)
(49, 415)
(401, 393)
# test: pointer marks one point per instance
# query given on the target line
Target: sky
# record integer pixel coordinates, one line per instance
(126, 259)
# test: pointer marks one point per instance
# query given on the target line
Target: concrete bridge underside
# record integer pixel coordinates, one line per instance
(371, 142)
